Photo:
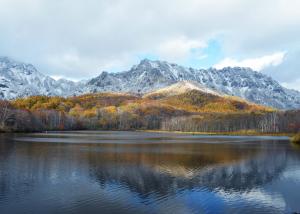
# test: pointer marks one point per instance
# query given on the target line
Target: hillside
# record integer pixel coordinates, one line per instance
(193, 97)
(180, 88)
(184, 106)
(183, 96)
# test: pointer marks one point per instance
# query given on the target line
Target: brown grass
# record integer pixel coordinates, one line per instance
(296, 138)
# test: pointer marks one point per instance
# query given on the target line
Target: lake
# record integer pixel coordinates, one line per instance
(139, 172)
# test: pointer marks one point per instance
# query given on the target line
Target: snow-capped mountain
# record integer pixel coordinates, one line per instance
(20, 79)
(242, 82)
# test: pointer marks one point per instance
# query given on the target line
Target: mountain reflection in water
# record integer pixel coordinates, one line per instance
(126, 172)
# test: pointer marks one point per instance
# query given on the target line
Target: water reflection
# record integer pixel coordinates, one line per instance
(124, 173)
(164, 172)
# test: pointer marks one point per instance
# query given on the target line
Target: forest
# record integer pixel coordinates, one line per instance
(192, 111)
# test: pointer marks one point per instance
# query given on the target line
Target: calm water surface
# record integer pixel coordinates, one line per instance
(135, 172)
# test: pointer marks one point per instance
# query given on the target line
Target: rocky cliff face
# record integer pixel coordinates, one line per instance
(19, 79)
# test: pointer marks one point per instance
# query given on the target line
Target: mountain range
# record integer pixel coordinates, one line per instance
(19, 79)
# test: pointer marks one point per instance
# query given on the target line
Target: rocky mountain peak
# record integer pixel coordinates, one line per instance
(20, 79)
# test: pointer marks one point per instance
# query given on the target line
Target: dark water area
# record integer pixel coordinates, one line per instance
(136, 172)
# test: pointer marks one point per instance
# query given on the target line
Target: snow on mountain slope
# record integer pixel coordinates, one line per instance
(181, 88)
(242, 82)
(20, 79)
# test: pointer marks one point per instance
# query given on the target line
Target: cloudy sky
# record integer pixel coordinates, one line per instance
(77, 39)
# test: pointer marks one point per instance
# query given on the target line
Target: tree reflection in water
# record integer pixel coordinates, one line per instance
(152, 174)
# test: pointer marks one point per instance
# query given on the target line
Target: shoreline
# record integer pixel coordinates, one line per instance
(240, 133)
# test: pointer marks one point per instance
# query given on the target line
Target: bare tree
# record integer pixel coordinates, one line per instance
(6, 113)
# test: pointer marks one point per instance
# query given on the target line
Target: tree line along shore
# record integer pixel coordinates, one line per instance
(191, 112)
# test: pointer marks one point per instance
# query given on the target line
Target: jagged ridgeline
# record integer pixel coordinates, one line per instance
(183, 106)
(21, 80)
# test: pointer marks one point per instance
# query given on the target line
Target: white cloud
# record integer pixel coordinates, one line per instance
(80, 38)
(74, 66)
(179, 48)
(257, 64)
(294, 84)
(57, 77)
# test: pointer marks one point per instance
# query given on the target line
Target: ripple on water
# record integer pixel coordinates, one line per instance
(134, 172)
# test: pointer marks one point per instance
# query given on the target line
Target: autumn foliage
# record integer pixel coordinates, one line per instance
(192, 110)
